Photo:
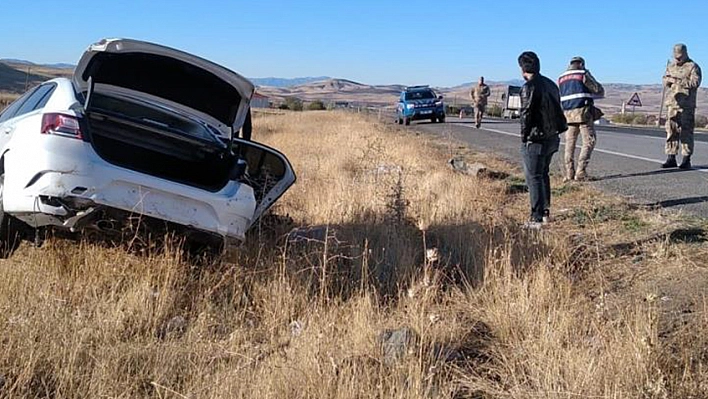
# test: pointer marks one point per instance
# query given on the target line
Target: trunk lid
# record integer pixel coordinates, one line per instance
(270, 173)
(192, 85)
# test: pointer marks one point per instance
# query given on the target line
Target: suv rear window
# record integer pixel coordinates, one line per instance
(420, 95)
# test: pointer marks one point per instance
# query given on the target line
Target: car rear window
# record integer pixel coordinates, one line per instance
(11, 110)
(38, 99)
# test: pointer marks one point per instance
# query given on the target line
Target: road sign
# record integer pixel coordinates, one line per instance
(635, 101)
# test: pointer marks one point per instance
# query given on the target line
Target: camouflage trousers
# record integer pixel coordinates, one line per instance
(679, 130)
(587, 131)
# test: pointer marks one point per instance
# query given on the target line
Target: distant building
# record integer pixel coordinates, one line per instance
(260, 101)
(342, 104)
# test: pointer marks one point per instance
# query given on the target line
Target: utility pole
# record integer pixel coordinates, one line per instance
(29, 69)
(663, 93)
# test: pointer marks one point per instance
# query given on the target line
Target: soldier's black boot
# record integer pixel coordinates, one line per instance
(685, 163)
(670, 162)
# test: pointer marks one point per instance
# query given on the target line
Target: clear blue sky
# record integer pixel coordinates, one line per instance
(442, 43)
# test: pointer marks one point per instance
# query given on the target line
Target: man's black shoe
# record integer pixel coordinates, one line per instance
(670, 162)
(686, 163)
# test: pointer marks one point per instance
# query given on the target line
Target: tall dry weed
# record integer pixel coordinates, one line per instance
(395, 241)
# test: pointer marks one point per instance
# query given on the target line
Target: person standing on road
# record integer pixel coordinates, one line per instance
(578, 90)
(542, 122)
(683, 77)
(480, 94)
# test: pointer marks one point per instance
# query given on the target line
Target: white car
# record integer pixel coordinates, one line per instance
(140, 130)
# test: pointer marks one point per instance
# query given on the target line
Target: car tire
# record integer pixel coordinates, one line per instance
(406, 121)
(9, 235)
(441, 119)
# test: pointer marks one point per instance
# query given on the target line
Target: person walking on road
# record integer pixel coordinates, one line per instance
(682, 79)
(578, 90)
(480, 94)
(542, 121)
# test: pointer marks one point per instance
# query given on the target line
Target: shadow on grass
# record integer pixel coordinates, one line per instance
(387, 256)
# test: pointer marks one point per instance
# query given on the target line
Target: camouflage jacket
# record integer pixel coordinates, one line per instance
(480, 93)
(584, 115)
(682, 81)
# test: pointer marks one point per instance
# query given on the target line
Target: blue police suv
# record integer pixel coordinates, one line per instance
(419, 103)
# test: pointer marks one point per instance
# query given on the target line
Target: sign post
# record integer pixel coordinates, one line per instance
(635, 102)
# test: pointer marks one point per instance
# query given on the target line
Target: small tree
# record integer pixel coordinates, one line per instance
(316, 105)
(622, 118)
(701, 121)
(495, 110)
(651, 120)
(294, 104)
(639, 119)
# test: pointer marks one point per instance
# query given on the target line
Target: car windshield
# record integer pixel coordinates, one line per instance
(420, 95)
(514, 90)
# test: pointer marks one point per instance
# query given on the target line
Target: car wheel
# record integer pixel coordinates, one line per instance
(9, 236)
(406, 121)
(441, 119)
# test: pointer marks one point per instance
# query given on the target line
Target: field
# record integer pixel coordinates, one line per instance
(410, 281)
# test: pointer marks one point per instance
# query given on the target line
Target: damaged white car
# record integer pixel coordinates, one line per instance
(141, 130)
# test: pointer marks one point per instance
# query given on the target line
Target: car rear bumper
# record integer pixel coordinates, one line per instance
(59, 168)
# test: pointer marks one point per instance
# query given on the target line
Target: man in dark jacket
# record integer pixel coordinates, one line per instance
(542, 122)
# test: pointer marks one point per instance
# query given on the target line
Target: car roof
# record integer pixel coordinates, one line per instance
(417, 88)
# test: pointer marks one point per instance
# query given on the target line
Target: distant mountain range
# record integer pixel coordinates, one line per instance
(511, 82)
(286, 82)
(29, 63)
(14, 79)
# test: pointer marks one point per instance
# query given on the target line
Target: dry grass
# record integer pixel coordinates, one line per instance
(605, 304)
(6, 99)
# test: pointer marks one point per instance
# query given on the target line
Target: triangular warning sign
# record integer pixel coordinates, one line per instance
(635, 101)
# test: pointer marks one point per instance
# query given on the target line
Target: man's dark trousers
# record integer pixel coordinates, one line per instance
(537, 162)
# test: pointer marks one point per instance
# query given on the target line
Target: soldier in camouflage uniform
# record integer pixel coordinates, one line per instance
(480, 94)
(683, 77)
(578, 90)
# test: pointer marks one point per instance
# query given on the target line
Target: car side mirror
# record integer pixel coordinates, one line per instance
(440, 97)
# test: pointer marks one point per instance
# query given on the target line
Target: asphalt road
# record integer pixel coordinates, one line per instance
(625, 162)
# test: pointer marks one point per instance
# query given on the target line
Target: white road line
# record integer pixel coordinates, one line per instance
(600, 129)
(619, 154)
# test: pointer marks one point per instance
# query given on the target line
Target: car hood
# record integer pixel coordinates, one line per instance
(201, 88)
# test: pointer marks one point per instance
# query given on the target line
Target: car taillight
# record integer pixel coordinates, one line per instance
(61, 125)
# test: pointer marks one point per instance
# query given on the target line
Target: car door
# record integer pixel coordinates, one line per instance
(401, 105)
(269, 173)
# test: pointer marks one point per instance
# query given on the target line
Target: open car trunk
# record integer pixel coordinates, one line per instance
(157, 141)
(173, 115)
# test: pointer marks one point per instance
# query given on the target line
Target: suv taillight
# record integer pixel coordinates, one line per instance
(61, 125)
